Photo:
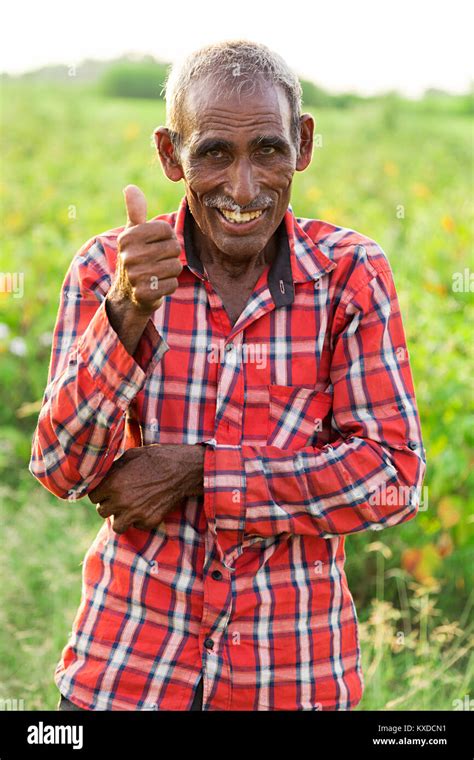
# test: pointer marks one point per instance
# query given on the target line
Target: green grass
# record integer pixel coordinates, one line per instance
(398, 174)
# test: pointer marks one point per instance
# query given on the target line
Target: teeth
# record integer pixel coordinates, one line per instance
(238, 218)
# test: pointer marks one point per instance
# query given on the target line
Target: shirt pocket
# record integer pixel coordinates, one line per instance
(298, 416)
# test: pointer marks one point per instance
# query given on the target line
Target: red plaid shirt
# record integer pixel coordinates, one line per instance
(308, 410)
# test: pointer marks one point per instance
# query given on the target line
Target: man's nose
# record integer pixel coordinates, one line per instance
(242, 185)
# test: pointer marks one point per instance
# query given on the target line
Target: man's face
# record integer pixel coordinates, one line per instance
(238, 158)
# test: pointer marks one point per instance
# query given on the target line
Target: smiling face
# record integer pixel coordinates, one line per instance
(237, 160)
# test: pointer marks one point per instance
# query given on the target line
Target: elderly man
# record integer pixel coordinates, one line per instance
(230, 385)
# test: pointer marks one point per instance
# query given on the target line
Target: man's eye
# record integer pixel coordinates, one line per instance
(267, 150)
(214, 153)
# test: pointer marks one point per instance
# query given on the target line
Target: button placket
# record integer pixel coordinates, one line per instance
(229, 373)
(218, 594)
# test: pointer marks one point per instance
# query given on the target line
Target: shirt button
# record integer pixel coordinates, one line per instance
(217, 575)
(412, 445)
(229, 347)
(209, 644)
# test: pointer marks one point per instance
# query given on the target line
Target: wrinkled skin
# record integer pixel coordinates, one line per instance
(146, 483)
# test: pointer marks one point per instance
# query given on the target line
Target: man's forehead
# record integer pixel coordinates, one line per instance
(209, 108)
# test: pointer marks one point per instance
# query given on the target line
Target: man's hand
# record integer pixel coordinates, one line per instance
(148, 266)
(147, 482)
(148, 256)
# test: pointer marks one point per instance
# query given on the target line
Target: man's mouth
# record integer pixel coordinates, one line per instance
(237, 217)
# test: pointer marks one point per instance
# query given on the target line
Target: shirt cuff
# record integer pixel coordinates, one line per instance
(119, 375)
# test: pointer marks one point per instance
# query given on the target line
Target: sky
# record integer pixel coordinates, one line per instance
(364, 46)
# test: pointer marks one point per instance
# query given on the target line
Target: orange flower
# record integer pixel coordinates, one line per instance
(390, 168)
(420, 190)
(448, 513)
(447, 223)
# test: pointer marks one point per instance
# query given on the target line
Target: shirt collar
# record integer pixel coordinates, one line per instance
(298, 257)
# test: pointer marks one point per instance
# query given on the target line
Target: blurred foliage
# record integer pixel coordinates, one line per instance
(413, 656)
(398, 171)
(134, 80)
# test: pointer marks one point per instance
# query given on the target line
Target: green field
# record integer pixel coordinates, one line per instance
(397, 172)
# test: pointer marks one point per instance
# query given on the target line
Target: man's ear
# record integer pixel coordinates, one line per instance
(165, 149)
(306, 143)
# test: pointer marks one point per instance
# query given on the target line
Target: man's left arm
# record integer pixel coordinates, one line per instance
(369, 478)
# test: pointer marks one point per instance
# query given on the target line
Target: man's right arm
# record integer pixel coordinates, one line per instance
(128, 325)
(92, 379)
(105, 345)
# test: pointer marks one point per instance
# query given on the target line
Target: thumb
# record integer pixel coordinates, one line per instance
(135, 204)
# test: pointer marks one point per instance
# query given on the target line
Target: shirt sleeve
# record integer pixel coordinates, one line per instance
(370, 477)
(92, 381)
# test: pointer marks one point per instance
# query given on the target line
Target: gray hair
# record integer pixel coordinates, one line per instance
(233, 65)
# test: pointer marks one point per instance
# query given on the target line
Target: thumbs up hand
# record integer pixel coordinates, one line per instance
(135, 204)
(148, 257)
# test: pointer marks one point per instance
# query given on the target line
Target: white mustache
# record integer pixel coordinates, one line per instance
(223, 202)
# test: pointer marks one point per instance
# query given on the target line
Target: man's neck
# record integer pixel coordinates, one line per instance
(227, 268)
